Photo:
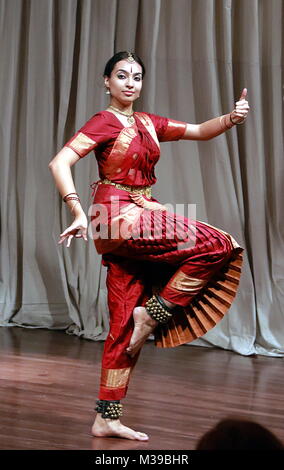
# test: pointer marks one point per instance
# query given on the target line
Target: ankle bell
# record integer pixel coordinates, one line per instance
(109, 408)
(158, 310)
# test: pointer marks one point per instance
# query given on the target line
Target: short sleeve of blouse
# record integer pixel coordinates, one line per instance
(168, 129)
(89, 136)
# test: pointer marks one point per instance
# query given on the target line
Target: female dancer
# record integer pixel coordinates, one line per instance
(166, 274)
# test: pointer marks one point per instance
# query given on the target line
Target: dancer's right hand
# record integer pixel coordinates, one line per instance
(77, 229)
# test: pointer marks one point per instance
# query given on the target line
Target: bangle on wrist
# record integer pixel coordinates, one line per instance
(65, 198)
(236, 123)
(72, 199)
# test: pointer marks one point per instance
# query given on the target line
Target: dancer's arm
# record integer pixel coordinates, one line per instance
(216, 126)
(60, 167)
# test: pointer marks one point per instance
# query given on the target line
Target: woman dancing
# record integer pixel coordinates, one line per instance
(167, 274)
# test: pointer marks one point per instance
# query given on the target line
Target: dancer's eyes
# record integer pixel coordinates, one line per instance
(137, 78)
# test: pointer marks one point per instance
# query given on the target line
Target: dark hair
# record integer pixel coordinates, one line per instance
(239, 434)
(121, 56)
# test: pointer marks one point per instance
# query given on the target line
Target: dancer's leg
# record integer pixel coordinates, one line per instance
(125, 290)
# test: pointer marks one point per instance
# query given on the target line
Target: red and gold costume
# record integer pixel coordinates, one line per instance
(147, 248)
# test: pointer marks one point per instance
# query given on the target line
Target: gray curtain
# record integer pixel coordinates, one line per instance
(199, 55)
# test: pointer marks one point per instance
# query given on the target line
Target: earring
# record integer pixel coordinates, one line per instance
(107, 91)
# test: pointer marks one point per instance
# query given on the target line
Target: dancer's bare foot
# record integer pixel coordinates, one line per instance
(114, 428)
(143, 327)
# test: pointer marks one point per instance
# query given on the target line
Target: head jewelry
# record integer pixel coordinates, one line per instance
(130, 58)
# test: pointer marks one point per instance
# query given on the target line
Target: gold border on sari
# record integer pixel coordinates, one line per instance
(118, 152)
(174, 131)
(115, 378)
(82, 143)
(182, 282)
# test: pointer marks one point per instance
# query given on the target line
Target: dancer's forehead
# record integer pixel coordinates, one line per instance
(124, 66)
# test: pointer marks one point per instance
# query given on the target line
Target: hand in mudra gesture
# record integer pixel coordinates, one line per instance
(239, 114)
(77, 229)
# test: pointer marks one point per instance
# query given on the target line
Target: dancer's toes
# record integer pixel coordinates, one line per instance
(141, 436)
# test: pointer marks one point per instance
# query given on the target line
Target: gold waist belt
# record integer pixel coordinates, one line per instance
(146, 190)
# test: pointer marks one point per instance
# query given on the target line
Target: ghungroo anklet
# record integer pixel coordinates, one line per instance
(158, 310)
(109, 408)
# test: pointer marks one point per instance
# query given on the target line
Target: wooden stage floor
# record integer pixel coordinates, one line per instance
(50, 380)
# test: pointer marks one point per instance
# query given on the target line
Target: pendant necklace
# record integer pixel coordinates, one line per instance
(130, 118)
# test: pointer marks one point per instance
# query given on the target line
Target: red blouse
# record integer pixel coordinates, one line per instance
(126, 155)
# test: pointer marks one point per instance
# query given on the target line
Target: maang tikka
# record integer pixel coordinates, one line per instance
(130, 58)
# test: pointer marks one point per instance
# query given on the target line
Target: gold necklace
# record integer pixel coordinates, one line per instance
(130, 118)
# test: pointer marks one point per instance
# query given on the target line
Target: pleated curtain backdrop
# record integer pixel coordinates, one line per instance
(199, 55)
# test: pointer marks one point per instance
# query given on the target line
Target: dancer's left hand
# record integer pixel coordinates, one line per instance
(239, 114)
(77, 229)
